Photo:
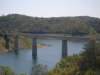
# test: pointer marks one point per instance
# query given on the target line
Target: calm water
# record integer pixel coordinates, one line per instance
(22, 62)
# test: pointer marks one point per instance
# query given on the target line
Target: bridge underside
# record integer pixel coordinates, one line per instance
(34, 48)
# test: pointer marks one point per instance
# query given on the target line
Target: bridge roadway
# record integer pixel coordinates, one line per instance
(54, 36)
(34, 41)
(59, 37)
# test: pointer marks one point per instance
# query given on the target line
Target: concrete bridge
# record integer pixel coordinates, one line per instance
(34, 38)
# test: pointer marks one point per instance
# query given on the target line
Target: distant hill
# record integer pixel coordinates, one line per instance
(79, 25)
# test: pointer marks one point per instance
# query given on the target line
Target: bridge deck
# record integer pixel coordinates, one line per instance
(60, 37)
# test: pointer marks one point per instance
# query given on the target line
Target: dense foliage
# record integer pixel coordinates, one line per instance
(6, 70)
(70, 25)
(86, 63)
(67, 66)
(39, 69)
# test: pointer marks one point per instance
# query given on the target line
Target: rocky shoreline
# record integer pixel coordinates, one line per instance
(42, 45)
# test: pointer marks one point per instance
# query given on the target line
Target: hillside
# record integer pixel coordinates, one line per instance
(79, 25)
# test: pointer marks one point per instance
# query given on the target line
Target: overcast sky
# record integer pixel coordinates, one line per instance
(51, 8)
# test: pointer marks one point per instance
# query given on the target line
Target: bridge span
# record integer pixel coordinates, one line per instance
(59, 37)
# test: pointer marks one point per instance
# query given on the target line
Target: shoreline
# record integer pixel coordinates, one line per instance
(39, 45)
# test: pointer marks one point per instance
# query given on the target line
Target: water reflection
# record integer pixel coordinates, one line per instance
(16, 53)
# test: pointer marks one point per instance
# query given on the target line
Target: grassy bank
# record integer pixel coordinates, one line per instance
(24, 43)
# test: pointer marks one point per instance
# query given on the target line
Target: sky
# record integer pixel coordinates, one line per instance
(51, 8)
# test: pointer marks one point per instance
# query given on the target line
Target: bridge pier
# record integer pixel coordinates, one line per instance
(64, 48)
(34, 48)
(7, 39)
(16, 47)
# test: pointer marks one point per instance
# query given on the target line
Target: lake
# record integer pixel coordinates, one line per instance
(22, 62)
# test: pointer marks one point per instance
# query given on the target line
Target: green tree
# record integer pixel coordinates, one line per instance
(90, 57)
(6, 70)
(39, 69)
(67, 66)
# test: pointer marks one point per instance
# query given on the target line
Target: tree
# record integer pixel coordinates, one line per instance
(88, 56)
(6, 70)
(39, 69)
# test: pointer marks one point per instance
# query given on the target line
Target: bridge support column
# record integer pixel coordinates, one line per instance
(64, 48)
(6, 38)
(34, 48)
(16, 47)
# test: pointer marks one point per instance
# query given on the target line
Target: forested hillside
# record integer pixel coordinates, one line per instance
(79, 25)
